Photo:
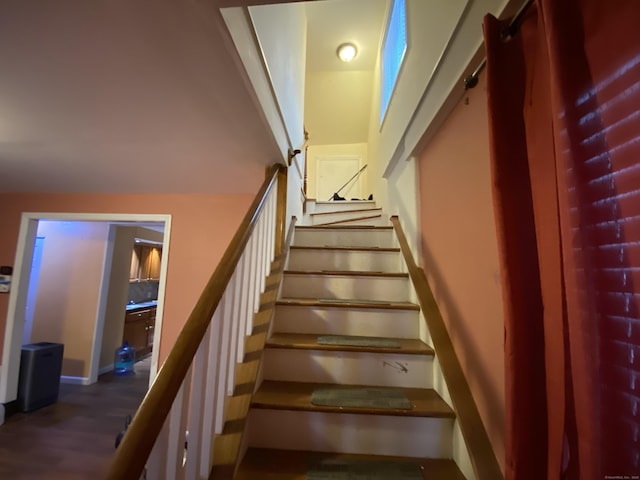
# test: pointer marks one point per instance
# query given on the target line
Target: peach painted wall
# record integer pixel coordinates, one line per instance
(69, 289)
(202, 227)
(460, 257)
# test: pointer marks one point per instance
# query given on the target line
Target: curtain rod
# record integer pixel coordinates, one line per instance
(472, 80)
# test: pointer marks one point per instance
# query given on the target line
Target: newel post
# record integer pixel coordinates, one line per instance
(281, 212)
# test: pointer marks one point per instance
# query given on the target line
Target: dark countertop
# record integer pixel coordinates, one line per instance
(136, 306)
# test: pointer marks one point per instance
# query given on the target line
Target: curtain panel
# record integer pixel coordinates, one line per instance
(564, 114)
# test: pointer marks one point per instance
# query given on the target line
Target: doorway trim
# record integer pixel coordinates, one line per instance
(10, 368)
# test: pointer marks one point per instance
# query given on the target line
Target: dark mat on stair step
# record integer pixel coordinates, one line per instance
(364, 470)
(349, 341)
(361, 397)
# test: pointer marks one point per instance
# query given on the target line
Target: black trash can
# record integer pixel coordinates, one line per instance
(40, 369)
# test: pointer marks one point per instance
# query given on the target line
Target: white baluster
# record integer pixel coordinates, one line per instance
(244, 302)
(236, 338)
(197, 403)
(271, 222)
(231, 315)
(177, 430)
(270, 229)
(262, 256)
(224, 362)
(274, 220)
(211, 387)
(252, 285)
(157, 461)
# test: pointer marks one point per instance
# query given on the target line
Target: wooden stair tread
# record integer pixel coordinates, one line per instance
(280, 395)
(347, 249)
(339, 212)
(309, 342)
(269, 464)
(334, 303)
(348, 273)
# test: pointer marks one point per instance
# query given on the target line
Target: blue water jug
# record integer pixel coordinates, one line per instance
(124, 359)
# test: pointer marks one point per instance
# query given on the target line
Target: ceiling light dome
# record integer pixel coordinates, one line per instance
(347, 52)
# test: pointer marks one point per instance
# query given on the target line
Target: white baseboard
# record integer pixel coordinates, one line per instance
(105, 369)
(75, 380)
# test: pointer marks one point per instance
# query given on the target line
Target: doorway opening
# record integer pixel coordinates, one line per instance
(87, 286)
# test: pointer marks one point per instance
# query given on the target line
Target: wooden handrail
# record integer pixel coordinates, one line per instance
(132, 454)
(480, 450)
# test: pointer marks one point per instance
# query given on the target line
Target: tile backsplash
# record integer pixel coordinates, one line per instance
(143, 291)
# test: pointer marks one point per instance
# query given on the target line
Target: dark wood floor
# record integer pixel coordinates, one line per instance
(72, 439)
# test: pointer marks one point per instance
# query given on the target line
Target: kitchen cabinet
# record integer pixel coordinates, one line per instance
(134, 272)
(139, 326)
(150, 263)
(154, 269)
(145, 263)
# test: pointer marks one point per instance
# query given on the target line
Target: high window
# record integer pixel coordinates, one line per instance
(393, 50)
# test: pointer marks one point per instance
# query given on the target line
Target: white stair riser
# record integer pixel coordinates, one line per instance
(347, 321)
(348, 368)
(329, 237)
(341, 260)
(387, 289)
(343, 216)
(322, 207)
(349, 433)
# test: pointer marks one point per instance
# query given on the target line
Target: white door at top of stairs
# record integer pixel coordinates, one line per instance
(333, 172)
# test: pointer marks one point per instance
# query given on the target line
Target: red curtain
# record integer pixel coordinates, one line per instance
(564, 107)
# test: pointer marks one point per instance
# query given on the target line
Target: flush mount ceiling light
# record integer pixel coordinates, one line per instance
(347, 52)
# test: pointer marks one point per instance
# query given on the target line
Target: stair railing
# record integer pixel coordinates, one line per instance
(188, 394)
(483, 458)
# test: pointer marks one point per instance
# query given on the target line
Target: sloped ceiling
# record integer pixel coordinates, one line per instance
(125, 96)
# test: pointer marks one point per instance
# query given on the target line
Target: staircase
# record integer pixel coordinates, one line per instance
(346, 318)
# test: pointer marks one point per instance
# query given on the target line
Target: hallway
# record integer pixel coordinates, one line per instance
(72, 439)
